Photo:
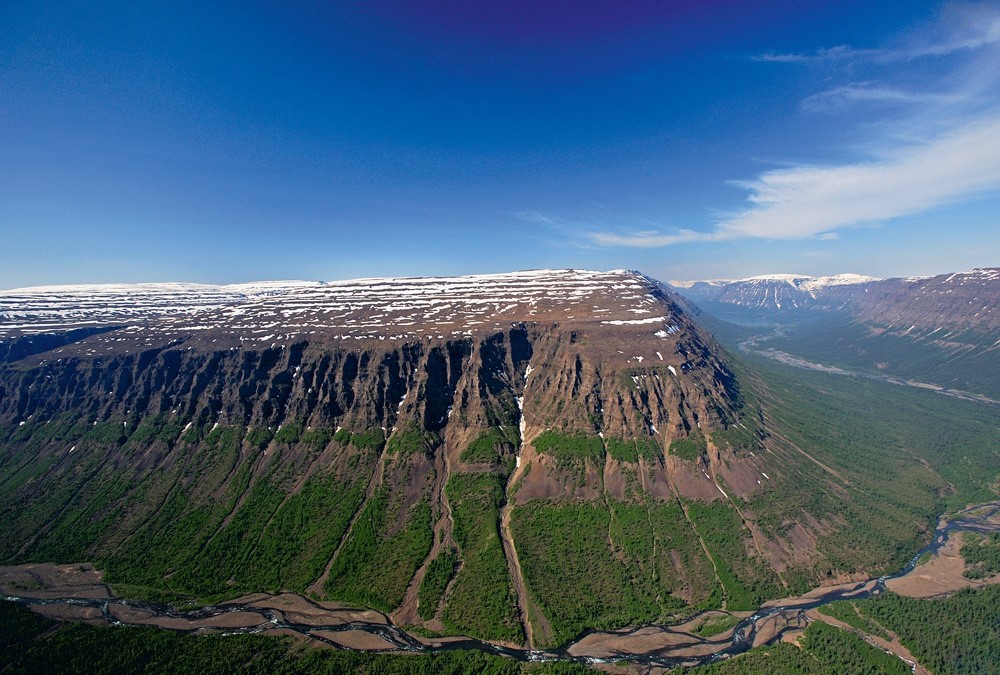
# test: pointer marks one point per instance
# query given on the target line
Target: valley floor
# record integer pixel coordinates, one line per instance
(77, 593)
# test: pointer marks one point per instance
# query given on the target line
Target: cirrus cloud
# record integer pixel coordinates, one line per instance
(942, 148)
(805, 201)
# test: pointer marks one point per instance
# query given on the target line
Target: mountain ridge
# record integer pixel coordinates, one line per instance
(220, 419)
(885, 302)
(587, 456)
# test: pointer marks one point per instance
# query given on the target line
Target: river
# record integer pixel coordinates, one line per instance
(750, 346)
(661, 645)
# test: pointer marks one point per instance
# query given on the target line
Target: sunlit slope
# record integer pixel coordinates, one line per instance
(592, 459)
(943, 330)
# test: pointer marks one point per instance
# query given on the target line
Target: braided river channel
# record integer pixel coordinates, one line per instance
(78, 594)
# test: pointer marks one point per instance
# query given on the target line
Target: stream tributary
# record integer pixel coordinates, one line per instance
(367, 630)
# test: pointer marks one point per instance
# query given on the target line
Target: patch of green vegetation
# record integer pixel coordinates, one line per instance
(683, 569)
(982, 556)
(72, 535)
(844, 652)
(716, 625)
(646, 538)
(439, 573)
(959, 634)
(259, 438)
(157, 428)
(221, 563)
(317, 439)
(489, 446)
(843, 418)
(386, 546)
(631, 450)
(824, 650)
(289, 433)
(295, 545)
(482, 602)
(224, 438)
(846, 611)
(621, 451)
(107, 433)
(18, 625)
(194, 433)
(648, 448)
(411, 440)
(570, 448)
(746, 580)
(741, 439)
(577, 578)
(934, 453)
(195, 529)
(690, 448)
(372, 439)
(915, 355)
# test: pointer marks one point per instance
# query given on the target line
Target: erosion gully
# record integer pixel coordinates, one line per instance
(692, 651)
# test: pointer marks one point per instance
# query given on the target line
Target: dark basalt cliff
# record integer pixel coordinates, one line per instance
(519, 459)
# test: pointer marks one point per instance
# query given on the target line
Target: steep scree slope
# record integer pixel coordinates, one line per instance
(516, 457)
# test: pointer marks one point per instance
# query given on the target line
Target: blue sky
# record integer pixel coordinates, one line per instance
(225, 142)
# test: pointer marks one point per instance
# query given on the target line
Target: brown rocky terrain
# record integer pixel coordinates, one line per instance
(946, 304)
(512, 457)
(944, 330)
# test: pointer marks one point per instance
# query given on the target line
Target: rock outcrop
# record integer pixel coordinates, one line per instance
(515, 457)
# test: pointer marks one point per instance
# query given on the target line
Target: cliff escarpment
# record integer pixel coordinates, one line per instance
(513, 457)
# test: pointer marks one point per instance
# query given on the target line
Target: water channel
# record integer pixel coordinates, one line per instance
(687, 649)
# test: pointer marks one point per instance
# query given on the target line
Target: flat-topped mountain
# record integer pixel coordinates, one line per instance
(778, 292)
(516, 457)
(943, 303)
(962, 300)
(380, 308)
(943, 329)
(358, 438)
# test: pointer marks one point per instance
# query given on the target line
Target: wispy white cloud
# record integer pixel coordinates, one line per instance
(815, 201)
(535, 217)
(941, 146)
(944, 148)
(652, 238)
(961, 26)
(838, 53)
(832, 100)
(802, 202)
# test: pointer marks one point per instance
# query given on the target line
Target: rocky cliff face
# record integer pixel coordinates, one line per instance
(947, 302)
(780, 294)
(516, 457)
(959, 301)
(943, 330)
(370, 355)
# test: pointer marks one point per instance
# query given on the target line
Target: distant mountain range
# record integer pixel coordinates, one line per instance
(943, 329)
(959, 300)
(517, 457)
(777, 292)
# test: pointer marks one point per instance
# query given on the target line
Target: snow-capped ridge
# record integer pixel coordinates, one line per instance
(797, 280)
(367, 308)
